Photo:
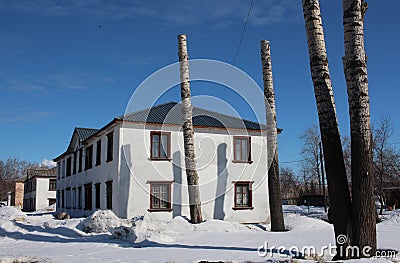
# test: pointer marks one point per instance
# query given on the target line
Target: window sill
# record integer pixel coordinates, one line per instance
(159, 209)
(98, 164)
(52, 190)
(160, 159)
(243, 208)
(108, 161)
(236, 161)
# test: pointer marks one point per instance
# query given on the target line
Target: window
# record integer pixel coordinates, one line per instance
(62, 198)
(52, 184)
(89, 157)
(52, 201)
(58, 170)
(73, 201)
(79, 197)
(63, 169)
(110, 146)
(80, 160)
(69, 160)
(74, 167)
(98, 152)
(243, 195)
(109, 194)
(97, 191)
(160, 196)
(160, 145)
(68, 198)
(58, 198)
(88, 196)
(242, 149)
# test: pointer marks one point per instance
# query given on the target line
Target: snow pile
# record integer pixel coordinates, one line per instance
(100, 222)
(392, 218)
(300, 222)
(10, 213)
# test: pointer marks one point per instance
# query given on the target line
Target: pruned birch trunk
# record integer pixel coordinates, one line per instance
(275, 202)
(188, 134)
(339, 195)
(355, 70)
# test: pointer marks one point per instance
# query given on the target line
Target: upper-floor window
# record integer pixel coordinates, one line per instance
(80, 160)
(98, 152)
(243, 195)
(52, 184)
(74, 165)
(69, 162)
(160, 145)
(242, 149)
(89, 157)
(110, 146)
(58, 170)
(160, 196)
(63, 169)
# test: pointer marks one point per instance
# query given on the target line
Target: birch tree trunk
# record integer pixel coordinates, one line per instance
(275, 201)
(188, 134)
(355, 70)
(339, 195)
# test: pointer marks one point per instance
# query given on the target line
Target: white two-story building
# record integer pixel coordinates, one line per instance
(39, 189)
(135, 164)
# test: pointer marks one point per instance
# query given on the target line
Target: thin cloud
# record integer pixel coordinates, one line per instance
(23, 116)
(198, 12)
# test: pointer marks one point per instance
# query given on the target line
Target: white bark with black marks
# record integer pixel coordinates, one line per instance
(340, 202)
(275, 202)
(188, 134)
(355, 69)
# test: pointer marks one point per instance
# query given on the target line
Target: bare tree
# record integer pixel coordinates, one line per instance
(340, 202)
(188, 134)
(355, 70)
(385, 159)
(311, 154)
(275, 202)
(291, 187)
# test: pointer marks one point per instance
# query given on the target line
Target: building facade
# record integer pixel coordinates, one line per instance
(135, 164)
(39, 189)
(17, 194)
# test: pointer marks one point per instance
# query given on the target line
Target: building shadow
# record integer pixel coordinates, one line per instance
(177, 192)
(222, 180)
(124, 180)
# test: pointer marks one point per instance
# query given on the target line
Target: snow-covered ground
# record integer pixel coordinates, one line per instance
(39, 237)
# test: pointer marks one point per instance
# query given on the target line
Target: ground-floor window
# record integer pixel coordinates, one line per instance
(73, 201)
(68, 198)
(52, 201)
(109, 194)
(243, 195)
(88, 196)
(62, 198)
(80, 197)
(97, 191)
(160, 196)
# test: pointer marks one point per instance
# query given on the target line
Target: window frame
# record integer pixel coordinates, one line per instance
(169, 192)
(50, 184)
(109, 191)
(80, 160)
(241, 160)
(88, 197)
(97, 196)
(168, 151)
(74, 167)
(89, 157)
(68, 167)
(110, 146)
(98, 152)
(249, 184)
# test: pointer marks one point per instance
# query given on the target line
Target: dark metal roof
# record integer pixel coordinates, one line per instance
(40, 172)
(84, 133)
(170, 113)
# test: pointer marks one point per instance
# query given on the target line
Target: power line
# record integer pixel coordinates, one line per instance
(242, 34)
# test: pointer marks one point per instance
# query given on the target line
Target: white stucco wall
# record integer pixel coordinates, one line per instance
(131, 171)
(42, 193)
(106, 171)
(214, 153)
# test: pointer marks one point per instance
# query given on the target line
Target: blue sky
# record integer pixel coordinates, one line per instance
(76, 63)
